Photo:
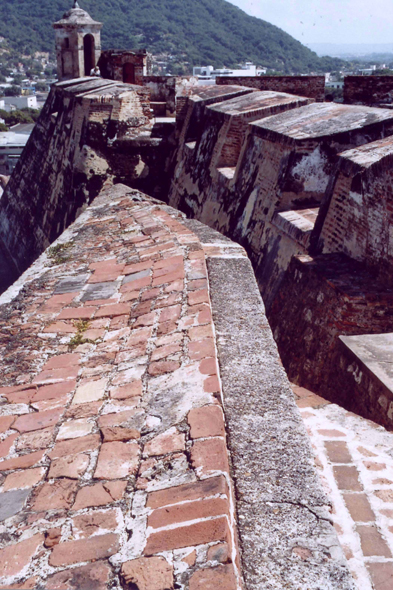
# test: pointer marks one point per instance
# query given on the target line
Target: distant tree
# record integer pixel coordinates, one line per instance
(12, 90)
(41, 86)
(3, 127)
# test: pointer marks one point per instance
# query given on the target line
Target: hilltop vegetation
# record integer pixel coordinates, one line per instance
(195, 32)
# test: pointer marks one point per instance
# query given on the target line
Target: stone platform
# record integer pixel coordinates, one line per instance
(355, 459)
(122, 348)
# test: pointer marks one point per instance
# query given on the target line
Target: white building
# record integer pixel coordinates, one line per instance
(209, 73)
(11, 147)
(10, 103)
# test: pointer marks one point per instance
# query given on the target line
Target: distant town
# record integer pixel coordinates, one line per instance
(25, 81)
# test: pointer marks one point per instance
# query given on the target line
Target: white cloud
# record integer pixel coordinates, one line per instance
(327, 21)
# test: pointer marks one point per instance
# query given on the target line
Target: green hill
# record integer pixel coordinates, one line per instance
(201, 32)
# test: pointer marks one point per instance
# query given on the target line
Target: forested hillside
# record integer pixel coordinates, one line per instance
(199, 32)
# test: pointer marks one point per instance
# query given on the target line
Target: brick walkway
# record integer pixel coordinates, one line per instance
(355, 459)
(112, 439)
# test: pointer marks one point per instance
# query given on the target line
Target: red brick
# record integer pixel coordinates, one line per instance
(188, 492)
(180, 513)
(312, 401)
(133, 389)
(86, 410)
(94, 576)
(165, 262)
(201, 332)
(72, 466)
(372, 466)
(170, 314)
(162, 367)
(150, 294)
(62, 360)
(38, 439)
(119, 433)
(147, 319)
(55, 495)
(372, 542)
(116, 419)
(169, 278)
(209, 455)
(201, 349)
(205, 316)
(117, 460)
(6, 445)
(220, 578)
(338, 452)
(164, 351)
(137, 267)
(38, 420)
(167, 442)
(359, 507)
(21, 397)
(140, 336)
(56, 375)
(135, 285)
(22, 462)
(15, 558)
(197, 284)
(110, 311)
(162, 272)
(57, 302)
(166, 328)
(6, 423)
(331, 433)
(99, 494)
(176, 286)
(92, 523)
(61, 327)
(153, 573)
(77, 313)
(130, 296)
(98, 547)
(206, 421)
(212, 384)
(54, 391)
(381, 575)
(23, 479)
(197, 297)
(74, 446)
(127, 355)
(199, 533)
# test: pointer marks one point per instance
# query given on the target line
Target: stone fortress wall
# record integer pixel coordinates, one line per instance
(309, 86)
(307, 193)
(304, 187)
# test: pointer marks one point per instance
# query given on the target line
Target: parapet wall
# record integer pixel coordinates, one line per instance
(359, 208)
(309, 86)
(368, 90)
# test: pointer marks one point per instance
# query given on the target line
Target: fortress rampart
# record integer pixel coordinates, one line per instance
(309, 86)
(368, 90)
(148, 425)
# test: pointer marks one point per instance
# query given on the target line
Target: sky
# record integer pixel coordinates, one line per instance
(327, 21)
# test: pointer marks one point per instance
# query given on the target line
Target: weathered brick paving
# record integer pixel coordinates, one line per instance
(114, 465)
(355, 458)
